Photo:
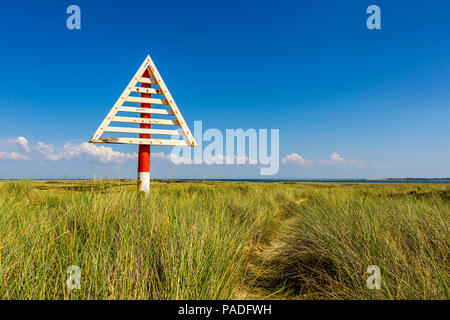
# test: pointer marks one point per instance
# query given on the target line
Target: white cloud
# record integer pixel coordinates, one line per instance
(92, 151)
(47, 151)
(298, 159)
(84, 150)
(12, 156)
(221, 159)
(159, 156)
(211, 159)
(336, 158)
(176, 159)
(23, 142)
(101, 153)
(108, 155)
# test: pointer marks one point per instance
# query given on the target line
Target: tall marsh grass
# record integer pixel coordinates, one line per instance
(223, 240)
(332, 238)
(184, 241)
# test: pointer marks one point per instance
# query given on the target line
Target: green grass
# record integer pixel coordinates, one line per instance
(223, 240)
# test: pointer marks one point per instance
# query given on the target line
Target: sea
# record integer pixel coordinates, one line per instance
(329, 180)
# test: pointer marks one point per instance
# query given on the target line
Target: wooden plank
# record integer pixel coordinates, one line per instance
(146, 120)
(171, 101)
(145, 131)
(146, 100)
(160, 142)
(146, 80)
(146, 90)
(146, 110)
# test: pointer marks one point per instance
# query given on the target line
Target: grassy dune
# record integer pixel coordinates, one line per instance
(223, 240)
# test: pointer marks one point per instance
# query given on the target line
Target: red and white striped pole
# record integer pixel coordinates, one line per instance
(144, 150)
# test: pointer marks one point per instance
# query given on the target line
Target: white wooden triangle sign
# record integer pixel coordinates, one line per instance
(167, 113)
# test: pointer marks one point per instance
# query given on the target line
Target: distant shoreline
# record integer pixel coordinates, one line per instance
(386, 180)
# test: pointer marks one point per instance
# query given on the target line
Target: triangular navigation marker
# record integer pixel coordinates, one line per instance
(151, 84)
(138, 100)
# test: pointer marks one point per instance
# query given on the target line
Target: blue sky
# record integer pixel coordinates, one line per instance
(350, 101)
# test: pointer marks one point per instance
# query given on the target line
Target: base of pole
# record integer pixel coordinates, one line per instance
(144, 182)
